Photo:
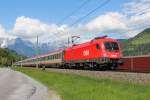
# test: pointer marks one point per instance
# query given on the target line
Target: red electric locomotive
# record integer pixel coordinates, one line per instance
(101, 52)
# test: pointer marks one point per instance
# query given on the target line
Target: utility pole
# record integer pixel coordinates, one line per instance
(21, 61)
(68, 41)
(37, 52)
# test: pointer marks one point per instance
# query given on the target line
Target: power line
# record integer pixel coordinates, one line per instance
(134, 29)
(143, 11)
(137, 27)
(74, 11)
(92, 11)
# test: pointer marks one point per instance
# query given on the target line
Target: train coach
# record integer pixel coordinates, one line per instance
(101, 52)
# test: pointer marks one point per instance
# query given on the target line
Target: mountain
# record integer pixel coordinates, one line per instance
(137, 45)
(27, 48)
(22, 47)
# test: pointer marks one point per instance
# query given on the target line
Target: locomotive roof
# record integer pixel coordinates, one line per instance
(92, 42)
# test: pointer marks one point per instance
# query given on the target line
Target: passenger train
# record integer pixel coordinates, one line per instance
(101, 52)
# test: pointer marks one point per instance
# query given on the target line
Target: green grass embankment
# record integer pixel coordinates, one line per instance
(73, 87)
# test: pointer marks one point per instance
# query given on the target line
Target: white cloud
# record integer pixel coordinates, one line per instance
(4, 34)
(136, 7)
(111, 22)
(139, 10)
(124, 23)
(5, 38)
(138, 14)
(29, 28)
(4, 44)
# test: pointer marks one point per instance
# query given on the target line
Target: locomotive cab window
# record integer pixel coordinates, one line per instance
(111, 46)
(97, 46)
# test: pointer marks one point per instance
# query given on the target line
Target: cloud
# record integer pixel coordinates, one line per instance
(125, 23)
(29, 28)
(138, 15)
(139, 11)
(136, 7)
(5, 38)
(111, 22)
(4, 34)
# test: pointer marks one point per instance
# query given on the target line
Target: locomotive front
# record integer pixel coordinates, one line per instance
(112, 55)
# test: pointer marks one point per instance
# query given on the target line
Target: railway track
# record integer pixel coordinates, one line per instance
(135, 69)
(133, 77)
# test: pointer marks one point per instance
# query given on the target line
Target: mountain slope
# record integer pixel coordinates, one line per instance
(29, 49)
(7, 57)
(138, 45)
(22, 47)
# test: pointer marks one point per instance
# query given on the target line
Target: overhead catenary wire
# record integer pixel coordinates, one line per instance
(137, 27)
(143, 11)
(89, 13)
(74, 11)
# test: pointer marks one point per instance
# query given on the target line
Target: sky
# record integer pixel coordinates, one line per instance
(50, 11)
(28, 18)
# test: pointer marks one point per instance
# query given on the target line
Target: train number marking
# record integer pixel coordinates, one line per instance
(86, 52)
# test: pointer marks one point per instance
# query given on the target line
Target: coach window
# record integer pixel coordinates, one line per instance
(60, 55)
(57, 55)
(42, 58)
(46, 58)
(97, 46)
(49, 57)
(52, 56)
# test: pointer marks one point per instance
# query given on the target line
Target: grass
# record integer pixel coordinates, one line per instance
(142, 40)
(73, 87)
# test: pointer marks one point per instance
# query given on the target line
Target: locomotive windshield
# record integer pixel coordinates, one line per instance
(111, 46)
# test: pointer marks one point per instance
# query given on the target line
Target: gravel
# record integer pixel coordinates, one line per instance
(142, 78)
(17, 86)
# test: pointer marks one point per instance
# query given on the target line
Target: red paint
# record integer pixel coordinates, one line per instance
(88, 50)
(137, 63)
